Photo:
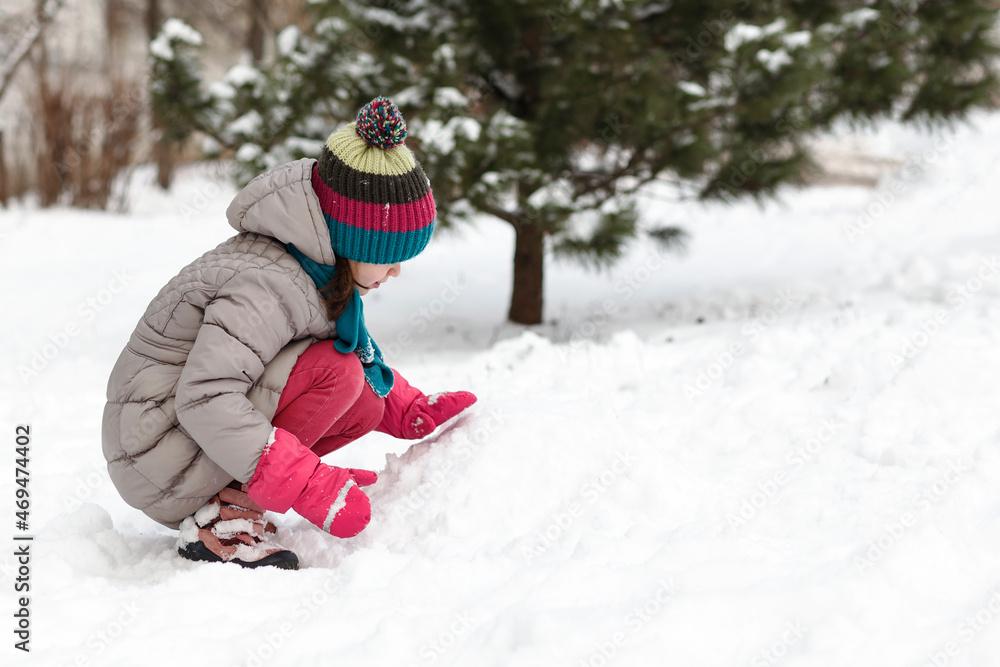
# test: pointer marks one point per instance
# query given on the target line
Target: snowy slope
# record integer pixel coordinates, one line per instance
(779, 448)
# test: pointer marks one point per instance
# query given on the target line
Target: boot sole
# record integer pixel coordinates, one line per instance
(197, 551)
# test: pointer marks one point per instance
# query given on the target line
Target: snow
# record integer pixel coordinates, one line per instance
(414, 94)
(692, 88)
(777, 448)
(444, 135)
(221, 90)
(797, 40)
(338, 504)
(503, 124)
(859, 17)
(248, 152)
(743, 33)
(288, 39)
(188, 530)
(304, 145)
(160, 47)
(557, 193)
(176, 29)
(331, 24)
(774, 60)
(243, 75)
(173, 29)
(445, 55)
(207, 513)
(491, 178)
(248, 124)
(450, 97)
(376, 16)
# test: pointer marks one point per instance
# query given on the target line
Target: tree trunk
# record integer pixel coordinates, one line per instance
(166, 163)
(257, 10)
(53, 149)
(154, 18)
(529, 263)
(4, 185)
(165, 152)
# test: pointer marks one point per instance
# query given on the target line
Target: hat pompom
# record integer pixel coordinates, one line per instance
(380, 124)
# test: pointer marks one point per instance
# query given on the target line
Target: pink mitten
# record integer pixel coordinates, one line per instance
(410, 414)
(290, 475)
(363, 477)
(334, 501)
(427, 413)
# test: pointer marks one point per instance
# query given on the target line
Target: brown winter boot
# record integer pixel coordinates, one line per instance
(230, 528)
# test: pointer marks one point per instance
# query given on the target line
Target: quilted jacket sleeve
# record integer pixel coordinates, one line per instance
(253, 315)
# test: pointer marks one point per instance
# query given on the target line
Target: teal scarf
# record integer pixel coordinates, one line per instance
(352, 336)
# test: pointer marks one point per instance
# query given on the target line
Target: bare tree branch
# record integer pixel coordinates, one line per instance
(32, 35)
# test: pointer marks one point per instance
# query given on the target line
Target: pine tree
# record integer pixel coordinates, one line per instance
(263, 116)
(552, 116)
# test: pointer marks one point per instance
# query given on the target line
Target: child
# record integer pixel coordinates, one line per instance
(255, 361)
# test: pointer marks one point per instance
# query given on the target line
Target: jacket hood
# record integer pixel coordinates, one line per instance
(281, 203)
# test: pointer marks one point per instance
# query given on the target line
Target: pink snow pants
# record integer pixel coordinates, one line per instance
(327, 402)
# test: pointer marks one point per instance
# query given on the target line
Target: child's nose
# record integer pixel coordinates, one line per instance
(394, 270)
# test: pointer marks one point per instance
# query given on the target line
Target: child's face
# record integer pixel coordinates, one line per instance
(370, 276)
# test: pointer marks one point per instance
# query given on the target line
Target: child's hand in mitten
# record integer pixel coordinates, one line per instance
(429, 412)
(410, 414)
(334, 501)
(290, 475)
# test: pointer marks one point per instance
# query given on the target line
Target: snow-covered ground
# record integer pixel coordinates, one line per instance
(777, 449)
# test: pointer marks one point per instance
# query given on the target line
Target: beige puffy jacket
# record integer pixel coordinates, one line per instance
(191, 396)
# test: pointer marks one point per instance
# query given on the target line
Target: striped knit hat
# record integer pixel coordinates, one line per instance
(375, 197)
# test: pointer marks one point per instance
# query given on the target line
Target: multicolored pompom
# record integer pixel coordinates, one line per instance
(380, 124)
